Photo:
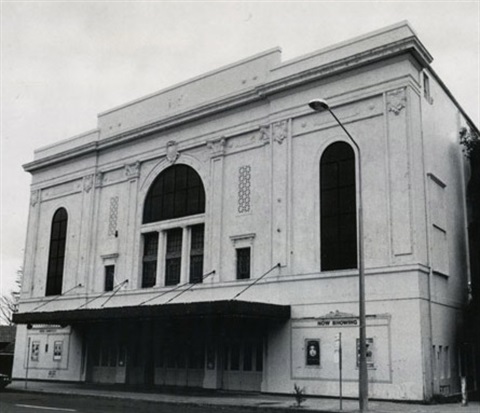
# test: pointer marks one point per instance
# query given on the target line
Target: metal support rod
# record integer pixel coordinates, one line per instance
(28, 359)
(340, 368)
(320, 105)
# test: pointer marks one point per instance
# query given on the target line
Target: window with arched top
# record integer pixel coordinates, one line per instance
(173, 250)
(338, 209)
(56, 254)
(177, 192)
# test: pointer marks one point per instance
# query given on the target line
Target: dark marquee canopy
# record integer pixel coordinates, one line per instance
(202, 309)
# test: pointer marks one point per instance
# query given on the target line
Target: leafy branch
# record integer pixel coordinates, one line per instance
(470, 141)
(9, 301)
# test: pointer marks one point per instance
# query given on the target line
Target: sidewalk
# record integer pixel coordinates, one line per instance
(248, 401)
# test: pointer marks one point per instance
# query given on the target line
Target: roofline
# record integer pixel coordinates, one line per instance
(191, 80)
(454, 100)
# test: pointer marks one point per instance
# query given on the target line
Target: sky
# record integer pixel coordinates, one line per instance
(62, 63)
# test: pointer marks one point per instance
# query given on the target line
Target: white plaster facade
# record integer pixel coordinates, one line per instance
(254, 113)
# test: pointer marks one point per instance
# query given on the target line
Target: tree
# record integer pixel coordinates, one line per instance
(9, 301)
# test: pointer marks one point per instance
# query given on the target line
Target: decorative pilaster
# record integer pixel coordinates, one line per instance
(214, 215)
(129, 244)
(279, 195)
(31, 244)
(399, 172)
(85, 234)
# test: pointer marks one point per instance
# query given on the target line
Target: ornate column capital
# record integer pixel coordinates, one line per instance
(132, 170)
(34, 197)
(88, 182)
(396, 100)
(217, 146)
(280, 131)
(265, 134)
(99, 179)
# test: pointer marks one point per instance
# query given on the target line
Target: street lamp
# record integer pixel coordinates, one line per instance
(320, 105)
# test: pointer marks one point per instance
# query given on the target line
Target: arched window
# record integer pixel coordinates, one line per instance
(56, 255)
(338, 208)
(176, 192)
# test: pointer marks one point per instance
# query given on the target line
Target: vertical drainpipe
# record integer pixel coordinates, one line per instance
(429, 252)
(465, 207)
(463, 383)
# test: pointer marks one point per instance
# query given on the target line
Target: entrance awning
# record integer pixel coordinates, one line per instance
(202, 309)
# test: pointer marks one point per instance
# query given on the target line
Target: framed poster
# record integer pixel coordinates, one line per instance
(312, 352)
(34, 355)
(370, 353)
(57, 350)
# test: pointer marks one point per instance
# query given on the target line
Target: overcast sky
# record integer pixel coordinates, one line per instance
(64, 62)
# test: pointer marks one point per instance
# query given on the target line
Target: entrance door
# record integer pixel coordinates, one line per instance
(180, 360)
(108, 362)
(243, 364)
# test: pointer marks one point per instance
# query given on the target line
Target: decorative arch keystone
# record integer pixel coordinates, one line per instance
(172, 151)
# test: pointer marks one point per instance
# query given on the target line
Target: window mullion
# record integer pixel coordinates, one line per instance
(161, 256)
(185, 258)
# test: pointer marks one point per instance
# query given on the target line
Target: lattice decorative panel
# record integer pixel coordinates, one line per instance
(112, 220)
(244, 189)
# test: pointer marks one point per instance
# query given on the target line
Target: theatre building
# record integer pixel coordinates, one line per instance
(206, 235)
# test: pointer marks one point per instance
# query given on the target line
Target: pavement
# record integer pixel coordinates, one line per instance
(245, 401)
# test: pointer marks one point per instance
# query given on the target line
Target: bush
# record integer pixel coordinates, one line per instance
(299, 394)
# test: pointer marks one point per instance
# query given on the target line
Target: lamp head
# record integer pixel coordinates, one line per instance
(319, 105)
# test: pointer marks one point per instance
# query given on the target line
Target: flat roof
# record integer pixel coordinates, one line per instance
(202, 309)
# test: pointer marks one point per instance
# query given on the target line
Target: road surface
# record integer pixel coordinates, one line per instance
(19, 402)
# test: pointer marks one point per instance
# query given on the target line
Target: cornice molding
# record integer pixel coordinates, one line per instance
(408, 45)
(60, 157)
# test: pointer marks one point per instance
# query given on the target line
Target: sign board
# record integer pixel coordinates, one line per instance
(342, 322)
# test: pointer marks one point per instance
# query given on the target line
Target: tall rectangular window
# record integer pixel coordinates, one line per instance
(243, 263)
(338, 211)
(426, 86)
(56, 255)
(150, 256)
(173, 256)
(109, 277)
(196, 253)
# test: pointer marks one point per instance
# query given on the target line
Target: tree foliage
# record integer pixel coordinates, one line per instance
(9, 301)
(470, 141)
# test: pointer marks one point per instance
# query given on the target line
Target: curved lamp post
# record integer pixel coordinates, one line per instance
(320, 105)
